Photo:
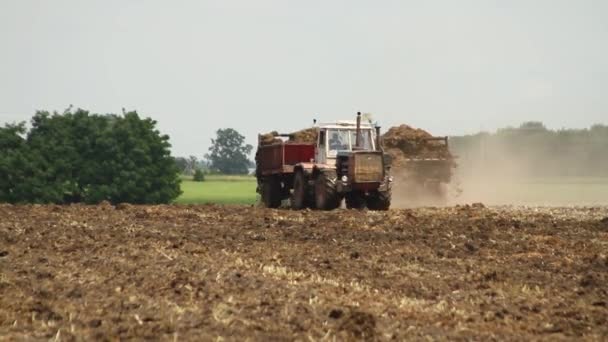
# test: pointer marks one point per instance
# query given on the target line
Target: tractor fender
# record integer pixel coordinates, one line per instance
(320, 167)
(307, 168)
(311, 170)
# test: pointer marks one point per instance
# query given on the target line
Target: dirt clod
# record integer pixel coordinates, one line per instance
(94, 323)
(588, 280)
(360, 325)
(470, 247)
(123, 206)
(336, 313)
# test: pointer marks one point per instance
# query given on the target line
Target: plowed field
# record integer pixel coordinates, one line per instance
(203, 272)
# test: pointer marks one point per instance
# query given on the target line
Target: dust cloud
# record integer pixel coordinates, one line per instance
(410, 191)
(501, 177)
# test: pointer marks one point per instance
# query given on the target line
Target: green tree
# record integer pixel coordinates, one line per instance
(12, 168)
(83, 157)
(68, 152)
(22, 179)
(228, 152)
(134, 164)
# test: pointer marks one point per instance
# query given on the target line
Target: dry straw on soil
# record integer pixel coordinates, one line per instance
(206, 273)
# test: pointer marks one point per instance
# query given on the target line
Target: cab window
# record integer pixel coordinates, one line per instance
(366, 139)
(338, 140)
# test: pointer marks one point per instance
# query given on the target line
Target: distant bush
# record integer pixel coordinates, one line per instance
(199, 176)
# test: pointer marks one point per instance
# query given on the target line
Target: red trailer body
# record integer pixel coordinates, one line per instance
(281, 158)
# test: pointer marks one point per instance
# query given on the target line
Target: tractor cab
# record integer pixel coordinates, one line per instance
(341, 138)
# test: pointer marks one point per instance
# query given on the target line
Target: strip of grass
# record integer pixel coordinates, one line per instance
(229, 178)
(224, 189)
(220, 190)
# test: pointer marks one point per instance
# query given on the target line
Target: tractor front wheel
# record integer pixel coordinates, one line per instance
(379, 200)
(355, 200)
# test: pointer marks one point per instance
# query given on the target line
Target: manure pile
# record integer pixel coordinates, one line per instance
(305, 136)
(404, 142)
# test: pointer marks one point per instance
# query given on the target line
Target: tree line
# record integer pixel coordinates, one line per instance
(532, 150)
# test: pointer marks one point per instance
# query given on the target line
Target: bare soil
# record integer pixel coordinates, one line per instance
(203, 272)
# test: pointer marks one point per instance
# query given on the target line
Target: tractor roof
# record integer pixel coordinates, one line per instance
(345, 124)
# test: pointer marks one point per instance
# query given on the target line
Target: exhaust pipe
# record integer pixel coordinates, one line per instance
(358, 137)
(378, 139)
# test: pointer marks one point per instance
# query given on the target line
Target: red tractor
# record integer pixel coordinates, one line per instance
(346, 162)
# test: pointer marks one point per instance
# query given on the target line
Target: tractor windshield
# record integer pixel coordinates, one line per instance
(366, 139)
(339, 140)
(345, 140)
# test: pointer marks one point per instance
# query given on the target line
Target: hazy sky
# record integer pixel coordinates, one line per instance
(451, 67)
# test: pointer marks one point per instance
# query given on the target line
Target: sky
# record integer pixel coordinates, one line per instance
(194, 66)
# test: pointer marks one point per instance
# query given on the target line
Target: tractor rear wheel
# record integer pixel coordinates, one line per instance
(300, 199)
(379, 200)
(271, 192)
(355, 200)
(326, 196)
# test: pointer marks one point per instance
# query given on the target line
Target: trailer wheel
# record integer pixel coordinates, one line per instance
(300, 198)
(271, 192)
(379, 200)
(355, 200)
(326, 196)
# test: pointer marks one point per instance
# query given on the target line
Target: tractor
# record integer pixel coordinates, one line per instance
(342, 160)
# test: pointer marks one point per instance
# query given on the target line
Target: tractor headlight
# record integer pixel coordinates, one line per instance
(344, 179)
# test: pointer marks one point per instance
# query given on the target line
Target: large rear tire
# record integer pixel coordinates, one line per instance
(271, 192)
(379, 200)
(326, 196)
(300, 199)
(355, 200)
